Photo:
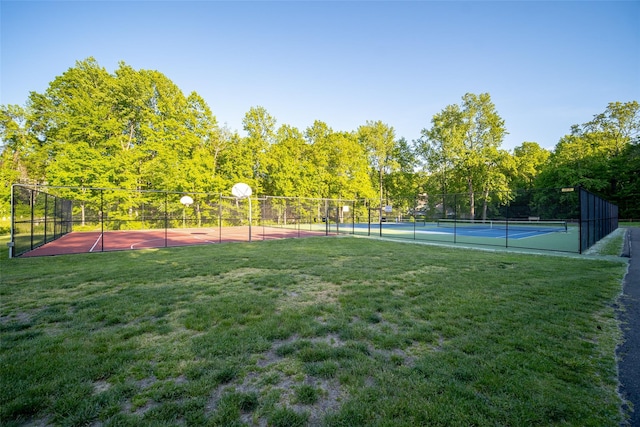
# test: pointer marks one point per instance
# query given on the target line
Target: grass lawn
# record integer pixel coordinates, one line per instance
(319, 331)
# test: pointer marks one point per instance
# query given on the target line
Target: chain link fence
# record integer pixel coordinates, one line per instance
(557, 219)
(598, 218)
(561, 219)
(37, 218)
(43, 214)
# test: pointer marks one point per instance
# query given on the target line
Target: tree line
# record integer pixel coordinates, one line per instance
(135, 129)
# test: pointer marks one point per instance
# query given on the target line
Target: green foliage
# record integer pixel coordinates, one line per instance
(338, 163)
(288, 168)
(5, 226)
(378, 139)
(602, 156)
(463, 148)
(135, 129)
(529, 160)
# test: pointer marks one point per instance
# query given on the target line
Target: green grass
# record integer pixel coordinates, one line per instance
(612, 244)
(320, 331)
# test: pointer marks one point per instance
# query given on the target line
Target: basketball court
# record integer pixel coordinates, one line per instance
(96, 241)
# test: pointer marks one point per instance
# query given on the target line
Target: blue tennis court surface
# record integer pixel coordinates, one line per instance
(490, 229)
(496, 233)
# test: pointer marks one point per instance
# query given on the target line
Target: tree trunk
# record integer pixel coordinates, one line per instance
(485, 204)
(472, 200)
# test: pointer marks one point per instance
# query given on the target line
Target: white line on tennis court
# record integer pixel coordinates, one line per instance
(523, 235)
(529, 234)
(431, 232)
(96, 243)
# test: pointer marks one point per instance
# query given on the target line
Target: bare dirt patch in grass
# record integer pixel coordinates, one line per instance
(100, 387)
(308, 290)
(279, 377)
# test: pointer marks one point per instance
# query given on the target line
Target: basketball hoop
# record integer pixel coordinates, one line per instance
(243, 191)
(186, 202)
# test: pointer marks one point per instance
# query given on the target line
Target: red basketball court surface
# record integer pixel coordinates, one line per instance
(96, 241)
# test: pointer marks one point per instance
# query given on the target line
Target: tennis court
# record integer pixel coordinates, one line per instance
(542, 235)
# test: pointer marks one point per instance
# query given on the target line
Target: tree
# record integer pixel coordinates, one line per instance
(379, 140)
(200, 160)
(322, 153)
(132, 130)
(498, 167)
(235, 163)
(618, 126)
(598, 155)
(463, 147)
(529, 160)
(12, 167)
(260, 128)
(73, 121)
(349, 170)
(400, 183)
(628, 181)
(21, 158)
(586, 156)
(79, 116)
(340, 163)
(288, 170)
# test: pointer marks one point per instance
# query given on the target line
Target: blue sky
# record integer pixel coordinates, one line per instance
(547, 65)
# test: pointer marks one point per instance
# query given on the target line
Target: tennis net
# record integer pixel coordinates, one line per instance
(515, 225)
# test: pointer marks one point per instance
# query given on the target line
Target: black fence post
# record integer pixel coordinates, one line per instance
(46, 217)
(506, 231)
(166, 219)
(299, 216)
(33, 207)
(455, 218)
(220, 218)
(12, 243)
(56, 219)
(415, 216)
(101, 220)
(580, 243)
(326, 219)
(353, 216)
